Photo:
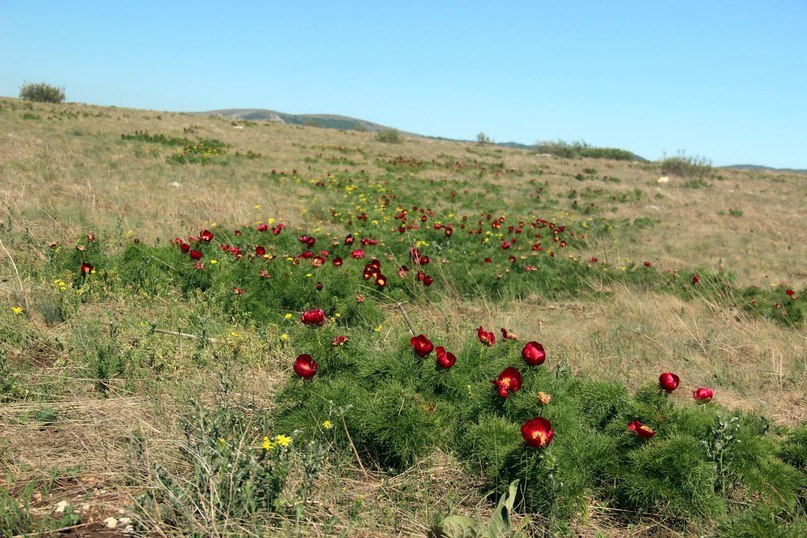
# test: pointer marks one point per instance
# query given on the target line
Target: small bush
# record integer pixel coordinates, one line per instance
(41, 92)
(578, 150)
(686, 166)
(389, 136)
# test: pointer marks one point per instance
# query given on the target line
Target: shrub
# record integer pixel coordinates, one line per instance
(578, 150)
(41, 92)
(687, 166)
(389, 136)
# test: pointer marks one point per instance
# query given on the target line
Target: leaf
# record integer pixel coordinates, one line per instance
(499, 524)
(457, 527)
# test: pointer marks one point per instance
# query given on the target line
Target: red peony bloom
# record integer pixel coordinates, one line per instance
(486, 337)
(337, 262)
(305, 366)
(313, 317)
(648, 264)
(645, 432)
(195, 255)
(695, 279)
(184, 247)
(339, 340)
(703, 394)
(537, 432)
(86, 268)
(668, 381)
(445, 359)
(422, 345)
(357, 254)
(533, 354)
(508, 381)
(260, 251)
(206, 236)
(263, 227)
(507, 335)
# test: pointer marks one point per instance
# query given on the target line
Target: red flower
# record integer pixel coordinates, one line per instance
(238, 291)
(486, 337)
(445, 359)
(422, 345)
(703, 394)
(184, 247)
(349, 239)
(507, 335)
(305, 366)
(337, 262)
(206, 236)
(86, 268)
(195, 255)
(533, 354)
(695, 279)
(260, 251)
(648, 264)
(537, 432)
(357, 254)
(668, 381)
(263, 227)
(508, 381)
(339, 340)
(645, 432)
(313, 317)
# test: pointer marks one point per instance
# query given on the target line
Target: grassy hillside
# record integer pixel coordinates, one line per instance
(161, 277)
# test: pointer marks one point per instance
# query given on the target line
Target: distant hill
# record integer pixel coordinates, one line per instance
(326, 121)
(756, 167)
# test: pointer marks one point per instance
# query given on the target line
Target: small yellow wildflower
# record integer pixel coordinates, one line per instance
(327, 425)
(267, 444)
(271, 220)
(234, 334)
(378, 329)
(283, 440)
(337, 315)
(257, 206)
(288, 316)
(17, 310)
(284, 337)
(213, 262)
(222, 440)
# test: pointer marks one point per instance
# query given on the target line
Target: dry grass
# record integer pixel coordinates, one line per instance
(66, 175)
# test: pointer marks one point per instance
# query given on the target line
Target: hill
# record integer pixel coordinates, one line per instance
(241, 328)
(326, 121)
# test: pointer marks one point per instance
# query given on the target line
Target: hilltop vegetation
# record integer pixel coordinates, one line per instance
(229, 327)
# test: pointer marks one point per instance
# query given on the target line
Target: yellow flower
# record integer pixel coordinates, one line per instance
(284, 337)
(257, 206)
(271, 220)
(378, 329)
(17, 310)
(327, 425)
(222, 440)
(267, 444)
(283, 440)
(288, 316)
(213, 262)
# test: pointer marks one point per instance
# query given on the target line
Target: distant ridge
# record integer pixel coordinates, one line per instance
(326, 121)
(759, 168)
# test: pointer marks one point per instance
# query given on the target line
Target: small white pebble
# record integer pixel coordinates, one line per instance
(125, 520)
(111, 523)
(61, 506)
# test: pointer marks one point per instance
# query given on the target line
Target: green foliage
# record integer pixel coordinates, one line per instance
(389, 136)
(499, 525)
(579, 150)
(41, 92)
(683, 165)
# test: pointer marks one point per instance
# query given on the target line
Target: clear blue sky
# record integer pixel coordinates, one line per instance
(726, 80)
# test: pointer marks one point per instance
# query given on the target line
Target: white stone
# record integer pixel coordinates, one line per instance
(111, 523)
(61, 506)
(663, 179)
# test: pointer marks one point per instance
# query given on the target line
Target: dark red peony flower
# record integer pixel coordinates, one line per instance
(422, 345)
(507, 335)
(260, 251)
(703, 394)
(357, 254)
(206, 236)
(533, 354)
(339, 340)
(508, 381)
(486, 337)
(537, 432)
(695, 279)
(349, 239)
(337, 262)
(86, 268)
(263, 227)
(195, 255)
(313, 317)
(305, 366)
(184, 247)
(648, 264)
(645, 432)
(668, 381)
(445, 359)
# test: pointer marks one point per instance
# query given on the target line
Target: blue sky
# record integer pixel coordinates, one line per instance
(725, 80)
